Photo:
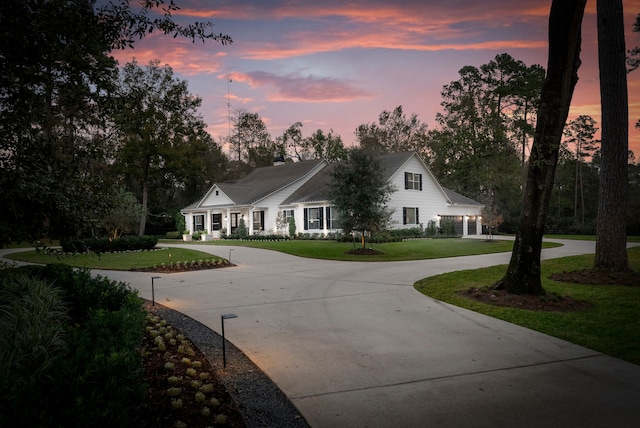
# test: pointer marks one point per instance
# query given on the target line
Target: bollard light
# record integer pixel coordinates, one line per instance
(153, 291)
(230, 250)
(224, 355)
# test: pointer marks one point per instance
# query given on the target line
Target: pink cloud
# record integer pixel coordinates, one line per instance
(407, 25)
(179, 53)
(295, 87)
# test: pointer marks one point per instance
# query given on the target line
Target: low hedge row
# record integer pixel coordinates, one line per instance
(236, 236)
(105, 245)
(69, 349)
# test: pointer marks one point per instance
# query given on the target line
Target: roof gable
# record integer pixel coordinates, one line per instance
(317, 188)
(394, 162)
(260, 183)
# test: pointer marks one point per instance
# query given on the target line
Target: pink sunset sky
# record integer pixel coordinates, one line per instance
(334, 65)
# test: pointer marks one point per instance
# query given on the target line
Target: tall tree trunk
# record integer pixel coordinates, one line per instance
(565, 21)
(576, 184)
(145, 196)
(524, 134)
(611, 239)
(145, 204)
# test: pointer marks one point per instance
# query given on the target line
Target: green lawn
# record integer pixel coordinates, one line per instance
(393, 251)
(117, 261)
(610, 326)
(587, 237)
(320, 249)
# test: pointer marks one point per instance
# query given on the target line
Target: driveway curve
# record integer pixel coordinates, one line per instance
(355, 345)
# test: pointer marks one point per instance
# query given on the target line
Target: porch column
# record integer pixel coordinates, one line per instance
(465, 225)
(207, 222)
(188, 222)
(250, 222)
(299, 214)
(228, 221)
(325, 221)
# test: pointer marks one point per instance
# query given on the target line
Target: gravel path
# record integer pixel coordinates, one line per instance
(260, 401)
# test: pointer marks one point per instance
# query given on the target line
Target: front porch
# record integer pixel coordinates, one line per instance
(217, 222)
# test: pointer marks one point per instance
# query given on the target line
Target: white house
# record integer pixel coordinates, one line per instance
(268, 197)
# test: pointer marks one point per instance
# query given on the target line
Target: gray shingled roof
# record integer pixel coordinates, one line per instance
(314, 190)
(458, 199)
(263, 181)
(317, 188)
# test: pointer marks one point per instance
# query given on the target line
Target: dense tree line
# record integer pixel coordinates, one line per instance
(81, 136)
(59, 134)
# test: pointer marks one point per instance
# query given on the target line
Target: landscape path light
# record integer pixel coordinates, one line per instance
(153, 291)
(222, 318)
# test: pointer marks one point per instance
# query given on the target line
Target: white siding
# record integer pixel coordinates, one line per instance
(213, 200)
(270, 205)
(430, 201)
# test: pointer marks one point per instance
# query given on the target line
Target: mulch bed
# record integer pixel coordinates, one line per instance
(364, 252)
(157, 411)
(550, 301)
(173, 268)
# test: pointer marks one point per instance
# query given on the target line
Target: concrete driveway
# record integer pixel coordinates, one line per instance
(355, 345)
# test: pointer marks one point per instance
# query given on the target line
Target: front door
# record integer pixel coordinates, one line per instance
(235, 222)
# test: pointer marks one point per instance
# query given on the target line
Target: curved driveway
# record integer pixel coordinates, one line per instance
(354, 344)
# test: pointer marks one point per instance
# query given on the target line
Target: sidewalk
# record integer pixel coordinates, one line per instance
(355, 345)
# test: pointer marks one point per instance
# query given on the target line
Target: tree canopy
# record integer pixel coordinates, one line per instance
(251, 141)
(160, 136)
(394, 132)
(55, 81)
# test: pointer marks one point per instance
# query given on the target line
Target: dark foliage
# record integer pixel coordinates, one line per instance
(105, 245)
(96, 380)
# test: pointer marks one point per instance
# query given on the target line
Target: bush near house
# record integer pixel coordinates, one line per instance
(272, 237)
(69, 348)
(393, 235)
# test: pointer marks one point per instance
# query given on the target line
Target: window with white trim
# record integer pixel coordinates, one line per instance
(198, 222)
(410, 215)
(332, 218)
(258, 221)
(288, 215)
(412, 181)
(313, 218)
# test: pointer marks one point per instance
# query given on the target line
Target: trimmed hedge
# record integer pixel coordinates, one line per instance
(105, 245)
(236, 236)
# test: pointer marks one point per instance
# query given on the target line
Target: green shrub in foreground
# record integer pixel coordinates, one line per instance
(94, 377)
(33, 329)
